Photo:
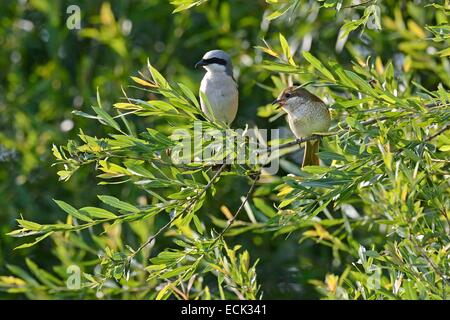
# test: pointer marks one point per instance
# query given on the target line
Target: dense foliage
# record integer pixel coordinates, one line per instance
(128, 222)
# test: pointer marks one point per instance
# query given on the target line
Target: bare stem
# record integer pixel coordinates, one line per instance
(363, 123)
(231, 221)
(445, 128)
(149, 240)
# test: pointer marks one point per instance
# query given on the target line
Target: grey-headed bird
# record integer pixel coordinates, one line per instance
(219, 86)
(306, 115)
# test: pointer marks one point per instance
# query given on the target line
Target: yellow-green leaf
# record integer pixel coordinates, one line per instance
(318, 65)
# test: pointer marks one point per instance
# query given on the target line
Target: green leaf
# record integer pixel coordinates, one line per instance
(262, 206)
(349, 27)
(37, 240)
(175, 272)
(22, 274)
(276, 14)
(167, 257)
(164, 293)
(116, 203)
(286, 49)
(188, 93)
(328, 155)
(410, 291)
(143, 82)
(444, 52)
(56, 153)
(98, 213)
(318, 65)
(281, 67)
(362, 85)
(42, 275)
(29, 225)
(159, 137)
(316, 169)
(157, 77)
(211, 117)
(103, 115)
(137, 169)
(72, 211)
(198, 224)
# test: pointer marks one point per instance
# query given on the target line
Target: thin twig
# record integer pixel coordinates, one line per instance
(149, 240)
(375, 120)
(292, 143)
(445, 128)
(316, 136)
(425, 256)
(363, 123)
(231, 221)
(358, 4)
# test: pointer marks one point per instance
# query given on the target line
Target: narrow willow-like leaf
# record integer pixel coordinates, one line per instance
(72, 211)
(318, 65)
(98, 213)
(116, 203)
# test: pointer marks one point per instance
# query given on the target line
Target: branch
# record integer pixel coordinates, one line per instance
(445, 128)
(375, 120)
(316, 136)
(430, 262)
(231, 221)
(292, 143)
(363, 123)
(358, 4)
(149, 240)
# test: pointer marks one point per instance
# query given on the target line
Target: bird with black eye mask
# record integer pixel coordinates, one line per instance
(306, 114)
(219, 86)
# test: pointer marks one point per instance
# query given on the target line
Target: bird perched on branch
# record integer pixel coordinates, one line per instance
(306, 115)
(219, 86)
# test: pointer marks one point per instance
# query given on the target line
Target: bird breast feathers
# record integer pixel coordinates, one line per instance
(306, 119)
(220, 88)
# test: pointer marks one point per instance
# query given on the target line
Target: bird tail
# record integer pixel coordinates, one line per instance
(310, 157)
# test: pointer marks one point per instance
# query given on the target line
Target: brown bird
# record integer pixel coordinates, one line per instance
(306, 115)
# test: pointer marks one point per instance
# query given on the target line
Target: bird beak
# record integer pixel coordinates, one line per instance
(201, 63)
(279, 102)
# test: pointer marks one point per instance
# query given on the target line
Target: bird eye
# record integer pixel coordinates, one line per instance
(288, 95)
